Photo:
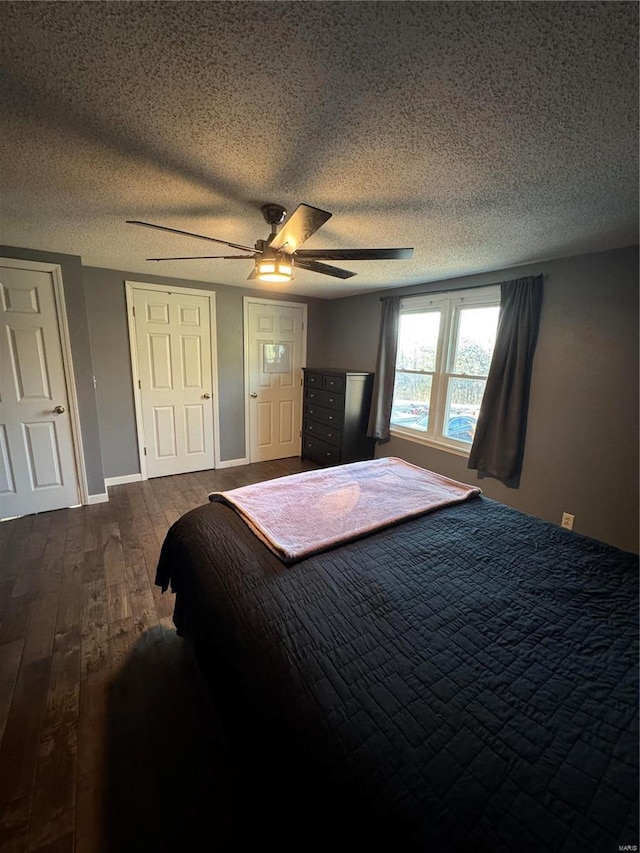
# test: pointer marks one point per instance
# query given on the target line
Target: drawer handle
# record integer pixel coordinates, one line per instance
(310, 427)
(328, 453)
(312, 395)
(330, 418)
(332, 399)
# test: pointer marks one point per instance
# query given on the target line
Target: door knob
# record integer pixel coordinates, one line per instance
(59, 410)
(253, 394)
(206, 396)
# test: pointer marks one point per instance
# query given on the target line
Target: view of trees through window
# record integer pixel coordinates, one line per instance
(417, 348)
(474, 348)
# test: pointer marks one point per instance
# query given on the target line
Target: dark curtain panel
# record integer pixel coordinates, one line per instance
(498, 446)
(385, 370)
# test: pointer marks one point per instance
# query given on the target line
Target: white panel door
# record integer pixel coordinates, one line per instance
(173, 339)
(275, 368)
(37, 462)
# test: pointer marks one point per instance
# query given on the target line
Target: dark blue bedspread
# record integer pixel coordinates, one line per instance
(465, 681)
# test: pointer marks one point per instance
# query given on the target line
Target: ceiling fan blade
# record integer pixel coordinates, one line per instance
(252, 275)
(190, 234)
(325, 269)
(354, 254)
(303, 222)
(203, 257)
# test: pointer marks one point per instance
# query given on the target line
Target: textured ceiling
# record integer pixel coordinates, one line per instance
(484, 134)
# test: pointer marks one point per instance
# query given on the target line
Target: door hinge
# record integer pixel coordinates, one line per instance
(145, 451)
(134, 310)
(139, 384)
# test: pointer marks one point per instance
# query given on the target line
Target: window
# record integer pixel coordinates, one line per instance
(445, 344)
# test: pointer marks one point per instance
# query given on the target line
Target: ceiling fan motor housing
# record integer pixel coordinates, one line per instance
(267, 252)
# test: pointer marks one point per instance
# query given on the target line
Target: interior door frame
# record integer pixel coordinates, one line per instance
(130, 288)
(246, 301)
(67, 364)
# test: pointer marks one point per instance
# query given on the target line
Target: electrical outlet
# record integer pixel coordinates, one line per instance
(567, 520)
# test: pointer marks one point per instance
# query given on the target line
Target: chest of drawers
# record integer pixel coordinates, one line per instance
(335, 416)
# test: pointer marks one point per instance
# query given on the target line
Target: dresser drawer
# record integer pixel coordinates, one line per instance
(334, 383)
(319, 451)
(324, 398)
(330, 417)
(326, 433)
(313, 380)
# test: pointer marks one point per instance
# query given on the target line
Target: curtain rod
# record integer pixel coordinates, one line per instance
(451, 289)
(434, 292)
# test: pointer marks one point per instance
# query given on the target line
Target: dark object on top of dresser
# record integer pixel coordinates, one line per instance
(335, 416)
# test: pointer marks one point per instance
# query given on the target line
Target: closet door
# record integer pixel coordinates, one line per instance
(37, 461)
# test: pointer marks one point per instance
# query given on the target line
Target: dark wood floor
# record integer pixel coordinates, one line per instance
(109, 741)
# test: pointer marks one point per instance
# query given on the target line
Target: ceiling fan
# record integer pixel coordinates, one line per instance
(275, 258)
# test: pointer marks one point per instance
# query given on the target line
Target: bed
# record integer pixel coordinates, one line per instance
(463, 680)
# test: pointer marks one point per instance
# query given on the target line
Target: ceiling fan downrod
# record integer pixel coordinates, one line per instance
(274, 214)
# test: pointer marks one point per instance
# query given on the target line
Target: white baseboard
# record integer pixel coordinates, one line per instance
(231, 463)
(137, 478)
(98, 499)
(120, 481)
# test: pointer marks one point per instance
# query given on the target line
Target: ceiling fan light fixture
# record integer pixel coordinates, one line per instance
(276, 269)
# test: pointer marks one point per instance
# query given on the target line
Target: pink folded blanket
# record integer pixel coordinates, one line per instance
(305, 513)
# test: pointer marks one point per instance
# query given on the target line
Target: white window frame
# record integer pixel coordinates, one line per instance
(450, 305)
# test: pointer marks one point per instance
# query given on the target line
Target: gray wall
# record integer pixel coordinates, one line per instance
(106, 306)
(80, 353)
(582, 442)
